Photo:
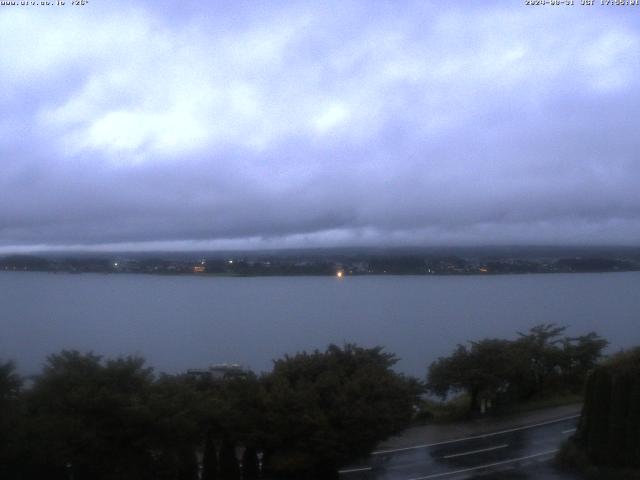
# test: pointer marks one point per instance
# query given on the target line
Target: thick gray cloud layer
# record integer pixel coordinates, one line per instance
(223, 124)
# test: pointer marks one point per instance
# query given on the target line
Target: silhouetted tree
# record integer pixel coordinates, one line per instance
(250, 463)
(609, 428)
(91, 418)
(483, 370)
(581, 355)
(176, 425)
(540, 351)
(210, 460)
(327, 408)
(229, 468)
(537, 363)
(104, 419)
(10, 419)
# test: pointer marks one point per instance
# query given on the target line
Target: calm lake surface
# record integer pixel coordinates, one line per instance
(186, 321)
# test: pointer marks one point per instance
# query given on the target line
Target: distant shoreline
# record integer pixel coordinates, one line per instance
(280, 275)
(333, 263)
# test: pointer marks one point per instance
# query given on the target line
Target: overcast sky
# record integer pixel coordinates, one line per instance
(154, 124)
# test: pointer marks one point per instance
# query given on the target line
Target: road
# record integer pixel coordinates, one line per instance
(523, 452)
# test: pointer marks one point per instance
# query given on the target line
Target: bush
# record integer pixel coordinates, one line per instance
(609, 429)
(607, 442)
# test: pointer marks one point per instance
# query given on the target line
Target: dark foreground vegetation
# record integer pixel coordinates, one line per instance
(85, 417)
(88, 418)
(607, 442)
(498, 373)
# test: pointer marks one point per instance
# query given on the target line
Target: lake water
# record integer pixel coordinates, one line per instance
(181, 322)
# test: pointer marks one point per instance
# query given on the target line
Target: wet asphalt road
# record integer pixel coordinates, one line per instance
(517, 453)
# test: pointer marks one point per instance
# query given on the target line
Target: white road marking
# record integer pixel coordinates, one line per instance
(488, 465)
(484, 435)
(571, 430)
(471, 452)
(353, 470)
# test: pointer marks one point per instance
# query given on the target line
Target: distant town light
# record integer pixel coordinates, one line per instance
(230, 262)
(339, 274)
